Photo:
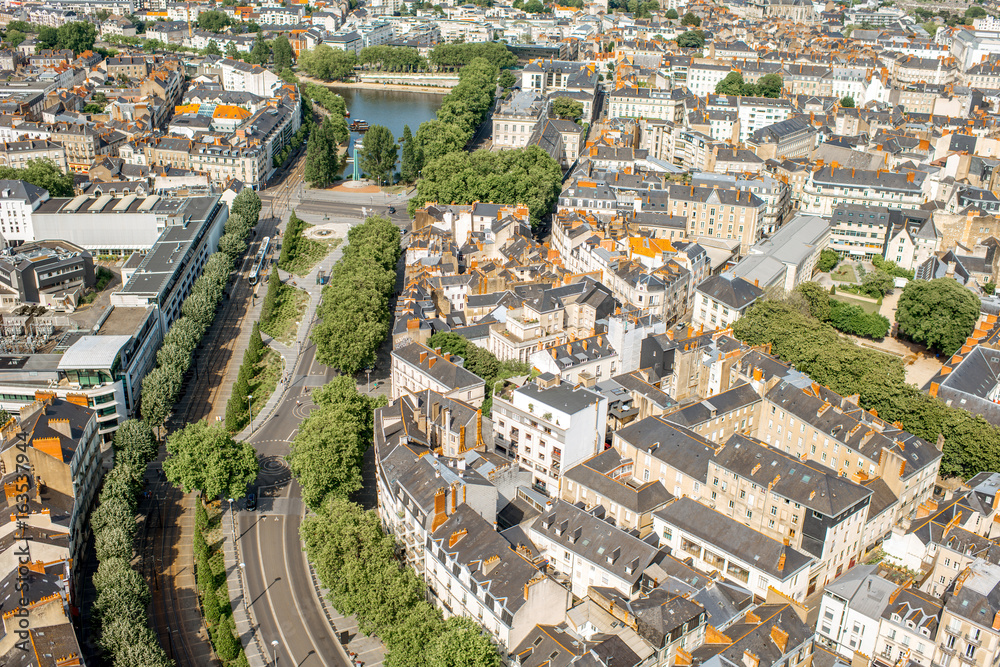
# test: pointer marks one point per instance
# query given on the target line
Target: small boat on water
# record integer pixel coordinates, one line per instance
(359, 126)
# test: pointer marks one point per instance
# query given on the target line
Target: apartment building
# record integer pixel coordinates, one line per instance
(549, 426)
(850, 611)
(516, 119)
(585, 360)
(722, 299)
(722, 213)
(833, 186)
(415, 368)
(590, 551)
(807, 504)
(647, 103)
(718, 543)
(756, 113)
(606, 479)
(19, 201)
(721, 415)
(18, 154)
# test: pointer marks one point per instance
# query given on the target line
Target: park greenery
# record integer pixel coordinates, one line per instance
(971, 444)
(691, 39)
(299, 253)
(392, 59)
(119, 612)
(479, 361)
(43, 173)
(937, 313)
(411, 157)
(354, 311)
(238, 407)
(769, 86)
(323, 160)
(452, 175)
(457, 55)
(162, 385)
(327, 63)
(77, 36)
(847, 317)
(891, 268)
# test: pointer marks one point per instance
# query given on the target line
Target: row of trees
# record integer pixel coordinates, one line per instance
(456, 56)
(480, 361)
(292, 242)
(238, 407)
(354, 310)
(769, 85)
(971, 445)
(119, 612)
(323, 160)
(327, 63)
(161, 387)
(392, 59)
(301, 136)
(356, 561)
(215, 603)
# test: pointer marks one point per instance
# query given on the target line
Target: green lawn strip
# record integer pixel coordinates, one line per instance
(291, 307)
(269, 371)
(844, 273)
(213, 590)
(868, 306)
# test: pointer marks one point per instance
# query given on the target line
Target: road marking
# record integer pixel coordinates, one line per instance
(291, 435)
(267, 594)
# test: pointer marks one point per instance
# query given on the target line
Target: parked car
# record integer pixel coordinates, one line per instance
(251, 502)
(392, 209)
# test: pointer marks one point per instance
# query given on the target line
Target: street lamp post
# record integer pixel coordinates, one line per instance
(274, 651)
(246, 589)
(368, 373)
(250, 410)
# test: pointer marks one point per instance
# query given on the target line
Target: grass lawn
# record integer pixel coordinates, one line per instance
(263, 384)
(284, 324)
(844, 273)
(212, 534)
(868, 306)
(311, 252)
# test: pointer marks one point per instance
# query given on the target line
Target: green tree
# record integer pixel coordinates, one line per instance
(325, 62)
(533, 7)
(283, 53)
(876, 283)
(567, 108)
(691, 19)
(378, 153)
(847, 102)
(79, 36)
(828, 260)
(231, 51)
(213, 21)
(134, 443)
(462, 644)
(671, 14)
(507, 79)
(436, 139)
(205, 458)
(327, 451)
(48, 38)
(817, 298)
(975, 12)
(260, 54)
(770, 85)
(323, 163)
(938, 313)
(270, 306)
(410, 161)
(692, 39)
(45, 174)
(213, 49)
(14, 38)
(159, 390)
(733, 84)
(247, 205)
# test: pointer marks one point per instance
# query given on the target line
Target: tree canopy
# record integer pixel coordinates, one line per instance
(971, 445)
(939, 313)
(567, 108)
(325, 62)
(460, 55)
(691, 39)
(45, 174)
(691, 19)
(206, 458)
(213, 21)
(378, 153)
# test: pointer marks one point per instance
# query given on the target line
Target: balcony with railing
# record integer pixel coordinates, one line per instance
(975, 641)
